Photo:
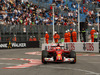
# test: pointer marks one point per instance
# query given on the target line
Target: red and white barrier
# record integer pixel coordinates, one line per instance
(78, 46)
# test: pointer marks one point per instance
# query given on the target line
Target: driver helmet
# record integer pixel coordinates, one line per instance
(58, 45)
(58, 48)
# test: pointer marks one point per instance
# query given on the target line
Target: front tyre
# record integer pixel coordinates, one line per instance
(44, 55)
(73, 55)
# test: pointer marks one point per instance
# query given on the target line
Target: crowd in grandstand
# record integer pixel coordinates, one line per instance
(24, 12)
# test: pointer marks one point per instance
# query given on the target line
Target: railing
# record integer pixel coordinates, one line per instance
(41, 3)
(23, 33)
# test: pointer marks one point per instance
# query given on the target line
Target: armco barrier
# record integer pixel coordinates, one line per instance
(78, 46)
(26, 44)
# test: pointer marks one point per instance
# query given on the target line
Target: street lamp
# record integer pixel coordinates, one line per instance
(53, 5)
(98, 10)
(78, 1)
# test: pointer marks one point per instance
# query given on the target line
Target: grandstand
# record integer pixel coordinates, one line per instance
(33, 17)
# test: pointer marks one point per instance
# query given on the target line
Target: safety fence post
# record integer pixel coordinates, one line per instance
(0, 33)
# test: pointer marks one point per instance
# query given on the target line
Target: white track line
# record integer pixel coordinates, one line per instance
(9, 64)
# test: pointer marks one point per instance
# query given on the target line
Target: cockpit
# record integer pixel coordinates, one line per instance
(58, 48)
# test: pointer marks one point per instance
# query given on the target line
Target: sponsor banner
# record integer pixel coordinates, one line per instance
(90, 47)
(27, 44)
(77, 46)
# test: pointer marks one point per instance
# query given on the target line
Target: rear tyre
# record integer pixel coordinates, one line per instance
(44, 55)
(73, 55)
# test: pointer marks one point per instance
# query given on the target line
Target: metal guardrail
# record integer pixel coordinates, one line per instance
(41, 3)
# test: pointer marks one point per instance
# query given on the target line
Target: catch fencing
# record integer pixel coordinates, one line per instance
(23, 32)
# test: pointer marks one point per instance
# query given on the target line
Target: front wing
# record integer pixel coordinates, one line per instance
(65, 59)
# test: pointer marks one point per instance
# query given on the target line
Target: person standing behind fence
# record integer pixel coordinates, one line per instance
(56, 37)
(74, 35)
(14, 38)
(30, 39)
(71, 30)
(69, 35)
(92, 34)
(34, 38)
(83, 35)
(46, 37)
(66, 36)
(96, 36)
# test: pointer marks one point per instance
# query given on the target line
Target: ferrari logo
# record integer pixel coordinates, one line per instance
(59, 55)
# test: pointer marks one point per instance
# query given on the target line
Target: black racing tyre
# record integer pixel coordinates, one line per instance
(73, 55)
(44, 55)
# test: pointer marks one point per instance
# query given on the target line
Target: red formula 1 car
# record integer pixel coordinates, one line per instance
(58, 54)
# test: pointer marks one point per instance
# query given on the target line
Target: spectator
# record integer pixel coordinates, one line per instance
(50, 7)
(14, 38)
(30, 39)
(83, 32)
(74, 35)
(66, 36)
(66, 8)
(34, 38)
(69, 35)
(56, 37)
(46, 37)
(96, 36)
(73, 5)
(92, 34)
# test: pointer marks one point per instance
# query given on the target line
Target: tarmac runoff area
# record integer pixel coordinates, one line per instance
(27, 61)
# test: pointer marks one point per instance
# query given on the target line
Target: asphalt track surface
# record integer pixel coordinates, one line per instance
(86, 65)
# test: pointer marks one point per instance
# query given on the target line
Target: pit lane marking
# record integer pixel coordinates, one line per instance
(32, 62)
(86, 71)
